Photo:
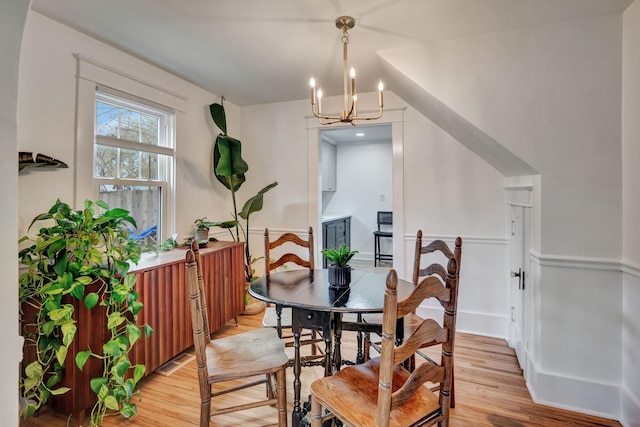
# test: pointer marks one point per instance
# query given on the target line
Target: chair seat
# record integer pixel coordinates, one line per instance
(270, 318)
(357, 387)
(250, 353)
(383, 233)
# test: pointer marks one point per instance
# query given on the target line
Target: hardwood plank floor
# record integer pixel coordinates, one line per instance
(490, 391)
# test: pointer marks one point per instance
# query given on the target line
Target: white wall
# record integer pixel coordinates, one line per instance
(630, 395)
(449, 191)
(12, 21)
(363, 174)
(551, 94)
(47, 114)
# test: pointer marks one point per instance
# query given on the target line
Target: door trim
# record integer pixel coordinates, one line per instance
(395, 117)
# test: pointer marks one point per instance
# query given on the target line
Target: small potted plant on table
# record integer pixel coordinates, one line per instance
(339, 268)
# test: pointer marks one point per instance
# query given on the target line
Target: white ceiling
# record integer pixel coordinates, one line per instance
(259, 51)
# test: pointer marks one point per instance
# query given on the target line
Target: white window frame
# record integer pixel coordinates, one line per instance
(166, 147)
(128, 83)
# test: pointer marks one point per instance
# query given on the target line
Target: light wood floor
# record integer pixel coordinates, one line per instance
(490, 391)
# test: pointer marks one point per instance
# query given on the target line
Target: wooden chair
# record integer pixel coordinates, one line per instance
(279, 317)
(448, 276)
(383, 219)
(382, 392)
(250, 354)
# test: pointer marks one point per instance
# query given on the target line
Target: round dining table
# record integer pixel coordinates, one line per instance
(317, 305)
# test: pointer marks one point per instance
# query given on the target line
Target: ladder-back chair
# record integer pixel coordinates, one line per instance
(280, 317)
(382, 392)
(447, 275)
(384, 220)
(257, 353)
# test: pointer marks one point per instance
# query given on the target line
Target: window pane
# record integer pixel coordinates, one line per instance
(149, 130)
(129, 164)
(106, 119)
(149, 166)
(143, 204)
(130, 125)
(106, 161)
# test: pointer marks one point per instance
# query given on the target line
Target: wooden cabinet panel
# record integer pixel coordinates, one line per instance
(162, 288)
(335, 233)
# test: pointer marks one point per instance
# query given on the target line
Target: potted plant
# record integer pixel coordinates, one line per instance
(201, 233)
(80, 255)
(230, 169)
(339, 268)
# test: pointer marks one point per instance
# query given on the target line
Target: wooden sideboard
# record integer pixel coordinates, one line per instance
(161, 284)
(162, 287)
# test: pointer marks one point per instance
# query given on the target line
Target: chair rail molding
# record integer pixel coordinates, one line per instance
(592, 263)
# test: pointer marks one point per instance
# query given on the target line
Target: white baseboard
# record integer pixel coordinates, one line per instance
(630, 409)
(573, 394)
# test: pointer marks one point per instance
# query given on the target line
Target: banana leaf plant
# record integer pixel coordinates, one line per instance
(230, 169)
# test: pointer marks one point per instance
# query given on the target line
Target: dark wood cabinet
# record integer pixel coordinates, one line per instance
(335, 233)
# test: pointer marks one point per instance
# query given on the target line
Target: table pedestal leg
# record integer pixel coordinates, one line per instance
(297, 414)
(360, 340)
(337, 353)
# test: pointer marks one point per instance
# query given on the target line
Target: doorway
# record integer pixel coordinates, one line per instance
(394, 120)
(357, 181)
(519, 243)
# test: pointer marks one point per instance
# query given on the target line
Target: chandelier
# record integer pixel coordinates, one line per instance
(350, 112)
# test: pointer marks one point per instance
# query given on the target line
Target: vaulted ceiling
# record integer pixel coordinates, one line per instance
(258, 51)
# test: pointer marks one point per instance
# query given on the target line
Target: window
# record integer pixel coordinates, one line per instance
(133, 162)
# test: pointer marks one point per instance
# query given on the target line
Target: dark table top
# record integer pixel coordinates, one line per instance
(309, 289)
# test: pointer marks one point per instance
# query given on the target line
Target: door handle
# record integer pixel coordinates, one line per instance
(520, 275)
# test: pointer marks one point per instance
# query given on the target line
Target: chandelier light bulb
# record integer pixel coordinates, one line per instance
(312, 82)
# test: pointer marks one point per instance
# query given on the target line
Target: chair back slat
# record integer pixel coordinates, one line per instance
(433, 269)
(429, 331)
(422, 374)
(288, 237)
(288, 257)
(429, 287)
(384, 218)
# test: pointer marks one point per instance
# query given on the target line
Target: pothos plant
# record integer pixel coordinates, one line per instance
(230, 168)
(83, 255)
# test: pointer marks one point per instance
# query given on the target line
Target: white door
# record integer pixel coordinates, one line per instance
(518, 281)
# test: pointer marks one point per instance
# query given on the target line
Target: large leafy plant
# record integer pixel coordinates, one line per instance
(230, 169)
(81, 255)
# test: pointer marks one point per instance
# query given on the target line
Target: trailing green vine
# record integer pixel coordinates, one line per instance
(83, 255)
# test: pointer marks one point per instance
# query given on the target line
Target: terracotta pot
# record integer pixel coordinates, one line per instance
(339, 277)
